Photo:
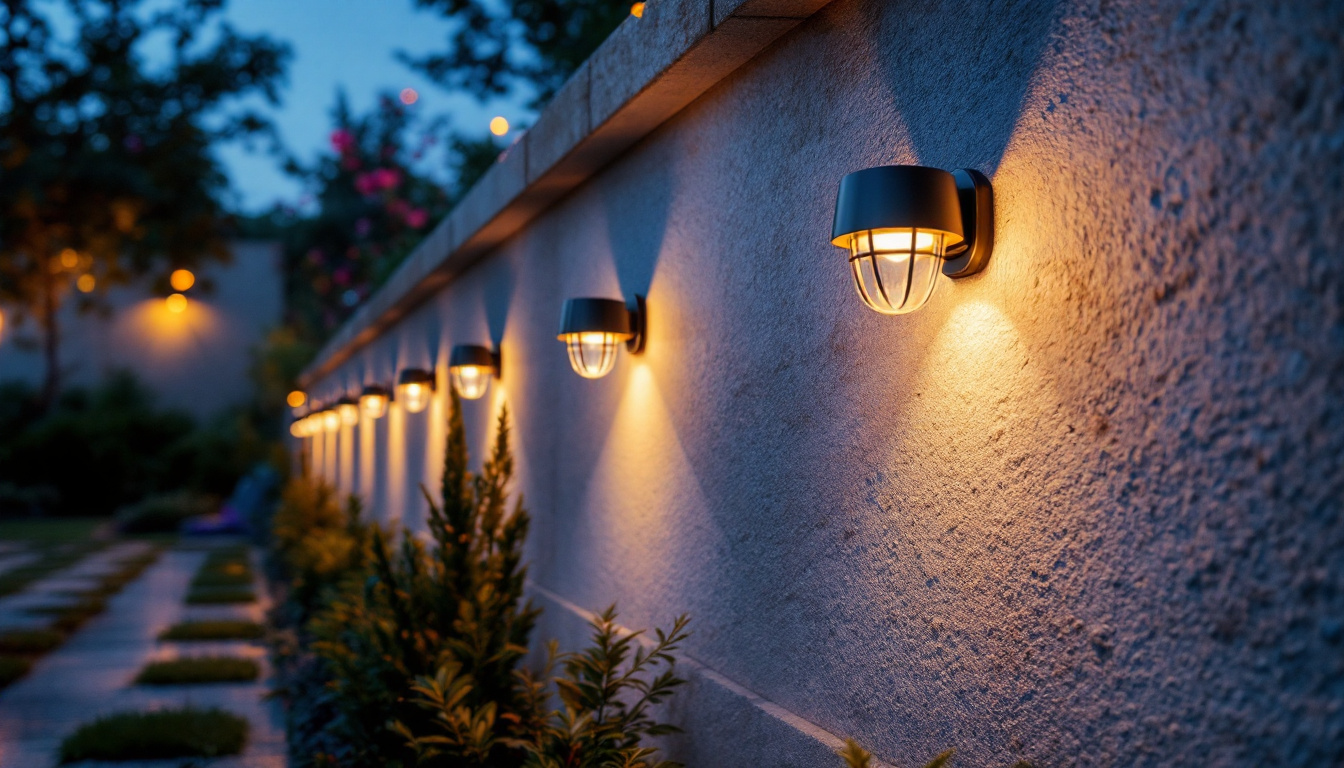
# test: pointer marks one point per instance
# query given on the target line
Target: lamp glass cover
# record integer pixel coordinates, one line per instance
(331, 420)
(414, 396)
(374, 404)
(593, 354)
(349, 413)
(895, 269)
(470, 381)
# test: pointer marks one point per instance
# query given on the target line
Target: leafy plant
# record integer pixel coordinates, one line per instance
(858, 757)
(318, 541)
(607, 692)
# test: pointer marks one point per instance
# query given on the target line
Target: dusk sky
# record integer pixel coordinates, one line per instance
(348, 44)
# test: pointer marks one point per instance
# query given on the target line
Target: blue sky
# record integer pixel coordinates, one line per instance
(349, 44)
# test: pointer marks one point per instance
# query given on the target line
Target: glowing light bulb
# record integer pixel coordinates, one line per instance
(69, 258)
(182, 280)
(331, 420)
(471, 367)
(86, 283)
(348, 409)
(499, 126)
(414, 389)
(176, 303)
(593, 355)
(374, 401)
(296, 399)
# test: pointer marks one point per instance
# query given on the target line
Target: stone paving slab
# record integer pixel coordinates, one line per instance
(9, 560)
(91, 676)
(16, 609)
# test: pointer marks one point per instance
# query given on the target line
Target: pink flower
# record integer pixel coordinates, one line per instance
(366, 184)
(416, 218)
(387, 178)
(342, 141)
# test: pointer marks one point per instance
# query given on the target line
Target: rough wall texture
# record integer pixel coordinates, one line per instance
(1084, 508)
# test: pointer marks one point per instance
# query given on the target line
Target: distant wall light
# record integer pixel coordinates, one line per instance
(414, 388)
(903, 224)
(593, 330)
(499, 126)
(182, 280)
(348, 409)
(331, 420)
(297, 428)
(637, 10)
(471, 367)
(176, 303)
(69, 258)
(86, 283)
(373, 401)
(296, 399)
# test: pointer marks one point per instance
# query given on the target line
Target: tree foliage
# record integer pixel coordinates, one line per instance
(498, 48)
(106, 150)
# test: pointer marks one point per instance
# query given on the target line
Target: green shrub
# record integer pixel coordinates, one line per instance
(220, 595)
(606, 692)
(164, 734)
(30, 641)
(318, 542)
(199, 669)
(214, 630)
(164, 512)
(12, 668)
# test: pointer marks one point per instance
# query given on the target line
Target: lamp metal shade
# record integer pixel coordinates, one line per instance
(898, 197)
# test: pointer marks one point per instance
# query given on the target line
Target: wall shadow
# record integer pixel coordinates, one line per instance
(982, 58)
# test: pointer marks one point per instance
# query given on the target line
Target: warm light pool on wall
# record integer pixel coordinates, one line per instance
(903, 224)
(471, 367)
(414, 388)
(594, 330)
(373, 401)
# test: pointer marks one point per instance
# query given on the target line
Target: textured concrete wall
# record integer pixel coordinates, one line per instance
(197, 361)
(1084, 508)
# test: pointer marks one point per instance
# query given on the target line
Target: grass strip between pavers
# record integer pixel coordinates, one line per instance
(12, 668)
(30, 641)
(220, 595)
(199, 669)
(165, 734)
(224, 629)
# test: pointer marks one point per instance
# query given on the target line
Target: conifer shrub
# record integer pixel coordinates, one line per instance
(856, 756)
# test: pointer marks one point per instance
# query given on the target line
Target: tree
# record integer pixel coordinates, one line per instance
(108, 173)
(500, 46)
(370, 209)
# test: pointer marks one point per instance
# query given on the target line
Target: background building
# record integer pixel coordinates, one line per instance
(196, 360)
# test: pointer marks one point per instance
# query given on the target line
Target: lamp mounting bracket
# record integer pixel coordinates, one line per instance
(977, 216)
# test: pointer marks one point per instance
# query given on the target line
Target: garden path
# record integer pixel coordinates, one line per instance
(16, 609)
(91, 675)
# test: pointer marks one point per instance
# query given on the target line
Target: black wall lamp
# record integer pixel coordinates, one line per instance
(373, 401)
(414, 388)
(903, 224)
(593, 330)
(471, 367)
